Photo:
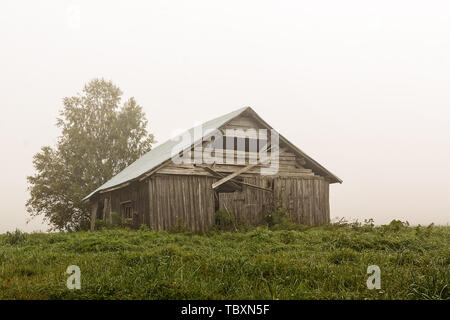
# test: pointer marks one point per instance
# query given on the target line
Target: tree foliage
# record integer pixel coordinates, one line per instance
(100, 136)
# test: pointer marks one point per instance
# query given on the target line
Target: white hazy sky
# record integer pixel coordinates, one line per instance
(361, 86)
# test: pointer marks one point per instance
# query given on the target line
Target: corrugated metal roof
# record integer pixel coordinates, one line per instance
(162, 153)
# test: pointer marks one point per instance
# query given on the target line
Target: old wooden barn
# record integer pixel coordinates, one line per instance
(163, 188)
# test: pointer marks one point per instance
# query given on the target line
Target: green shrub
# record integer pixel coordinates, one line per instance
(144, 228)
(179, 227)
(278, 216)
(116, 220)
(429, 229)
(100, 224)
(288, 237)
(397, 225)
(340, 223)
(225, 220)
(14, 238)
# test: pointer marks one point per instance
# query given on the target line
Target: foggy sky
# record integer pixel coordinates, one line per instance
(363, 87)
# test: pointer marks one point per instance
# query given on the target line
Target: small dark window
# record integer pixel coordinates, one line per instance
(226, 143)
(127, 211)
(234, 143)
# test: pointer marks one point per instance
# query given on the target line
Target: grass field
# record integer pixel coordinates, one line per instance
(308, 263)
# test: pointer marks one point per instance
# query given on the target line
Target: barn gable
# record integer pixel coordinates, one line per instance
(292, 161)
(250, 119)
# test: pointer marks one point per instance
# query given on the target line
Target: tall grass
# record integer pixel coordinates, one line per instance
(306, 263)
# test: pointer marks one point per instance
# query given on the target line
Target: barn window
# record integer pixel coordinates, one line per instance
(127, 210)
(240, 143)
(226, 143)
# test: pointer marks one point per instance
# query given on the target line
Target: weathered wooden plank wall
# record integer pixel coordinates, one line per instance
(177, 199)
(137, 193)
(306, 199)
(249, 205)
(165, 201)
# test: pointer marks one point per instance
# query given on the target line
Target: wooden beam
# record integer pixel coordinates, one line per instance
(219, 175)
(94, 207)
(126, 184)
(211, 171)
(105, 209)
(234, 183)
(256, 187)
(231, 176)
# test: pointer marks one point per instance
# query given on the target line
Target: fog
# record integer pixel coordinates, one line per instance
(362, 87)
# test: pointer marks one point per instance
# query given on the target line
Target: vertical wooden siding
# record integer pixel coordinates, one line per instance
(249, 205)
(137, 193)
(306, 199)
(165, 201)
(177, 199)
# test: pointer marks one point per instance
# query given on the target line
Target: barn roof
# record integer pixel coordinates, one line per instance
(160, 154)
(163, 152)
